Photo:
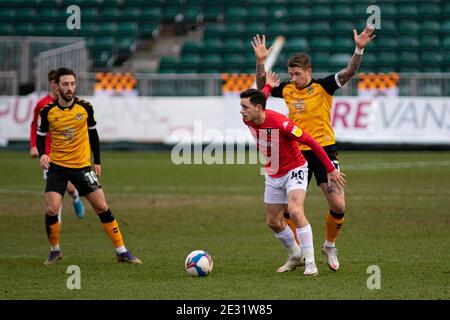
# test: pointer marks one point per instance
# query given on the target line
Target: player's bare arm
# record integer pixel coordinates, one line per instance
(361, 41)
(261, 53)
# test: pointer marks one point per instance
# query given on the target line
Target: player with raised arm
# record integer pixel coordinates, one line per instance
(309, 102)
(70, 122)
(286, 174)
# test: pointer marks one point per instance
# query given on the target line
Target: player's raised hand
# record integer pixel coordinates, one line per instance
(364, 37)
(44, 162)
(337, 178)
(272, 79)
(259, 47)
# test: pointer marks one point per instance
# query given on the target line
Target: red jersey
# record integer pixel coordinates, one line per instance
(33, 133)
(277, 138)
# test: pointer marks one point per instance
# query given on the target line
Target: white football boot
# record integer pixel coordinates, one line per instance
(292, 263)
(311, 269)
(331, 254)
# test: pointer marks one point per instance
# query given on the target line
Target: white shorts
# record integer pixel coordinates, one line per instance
(277, 189)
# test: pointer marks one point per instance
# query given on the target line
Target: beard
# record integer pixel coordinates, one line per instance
(65, 97)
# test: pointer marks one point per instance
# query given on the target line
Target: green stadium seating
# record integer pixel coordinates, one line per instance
(212, 12)
(128, 28)
(341, 10)
(191, 47)
(408, 41)
(125, 44)
(297, 44)
(298, 13)
(322, 43)
(408, 58)
(24, 29)
(429, 41)
(150, 14)
(8, 14)
(319, 28)
(430, 26)
(130, 14)
(109, 14)
(6, 29)
(192, 13)
(298, 29)
(44, 29)
(107, 28)
(342, 27)
(26, 14)
(387, 58)
(320, 11)
(408, 27)
(339, 61)
(405, 10)
(386, 42)
(429, 9)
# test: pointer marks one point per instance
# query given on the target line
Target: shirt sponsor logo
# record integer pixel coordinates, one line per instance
(297, 132)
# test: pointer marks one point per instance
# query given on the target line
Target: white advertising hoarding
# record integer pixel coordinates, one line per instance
(171, 119)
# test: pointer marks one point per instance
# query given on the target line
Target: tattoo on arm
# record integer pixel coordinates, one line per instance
(353, 65)
(260, 76)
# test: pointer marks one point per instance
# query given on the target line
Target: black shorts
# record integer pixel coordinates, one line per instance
(84, 179)
(316, 167)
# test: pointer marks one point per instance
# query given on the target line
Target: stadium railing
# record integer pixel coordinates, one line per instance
(74, 56)
(8, 83)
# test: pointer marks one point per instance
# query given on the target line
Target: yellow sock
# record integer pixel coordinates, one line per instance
(334, 225)
(112, 229)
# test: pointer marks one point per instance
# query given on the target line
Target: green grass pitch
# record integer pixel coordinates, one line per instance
(397, 218)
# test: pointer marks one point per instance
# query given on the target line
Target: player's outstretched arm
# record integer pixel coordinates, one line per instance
(361, 41)
(261, 53)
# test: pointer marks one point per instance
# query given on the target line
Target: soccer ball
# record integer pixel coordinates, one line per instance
(198, 263)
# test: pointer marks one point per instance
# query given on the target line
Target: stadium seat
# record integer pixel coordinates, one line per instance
(445, 27)
(387, 58)
(26, 15)
(320, 11)
(341, 10)
(386, 42)
(319, 28)
(87, 29)
(191, 47)
(125, 44)
(109, 14)
(322, 43)
(130, 14)
(192, 13)
(342, 27)
(298, 13)
(212, 12)
(128, 28)
(405, 10)
(146, 29)
(277, 28)
(107, 28)
(297, 44)
(44, 29)
(343, 44)
(169, 12)
(409, 42)
(298, 29)
(24, 29)
(429, 41)
(408, 58)
(6, 29)
(8, 14)
(408, 27)
(168, 65)
(231, 45)
(149, 13)
(338, 61)
(429, 9)
(89, 15)
(430, 26)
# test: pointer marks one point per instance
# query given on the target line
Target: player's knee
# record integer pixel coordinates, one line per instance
(52, 210)
(274, 223)
(295, 212)
(338, 206)
(100, 207)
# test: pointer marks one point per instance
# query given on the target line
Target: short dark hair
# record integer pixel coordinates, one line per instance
(301, 60)
(256, 97)
(63, 72)
(51, 75)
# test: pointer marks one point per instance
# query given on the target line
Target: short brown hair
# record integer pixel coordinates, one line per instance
(63, 72)
(256, 97)
(51, 75)
(301, 60)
